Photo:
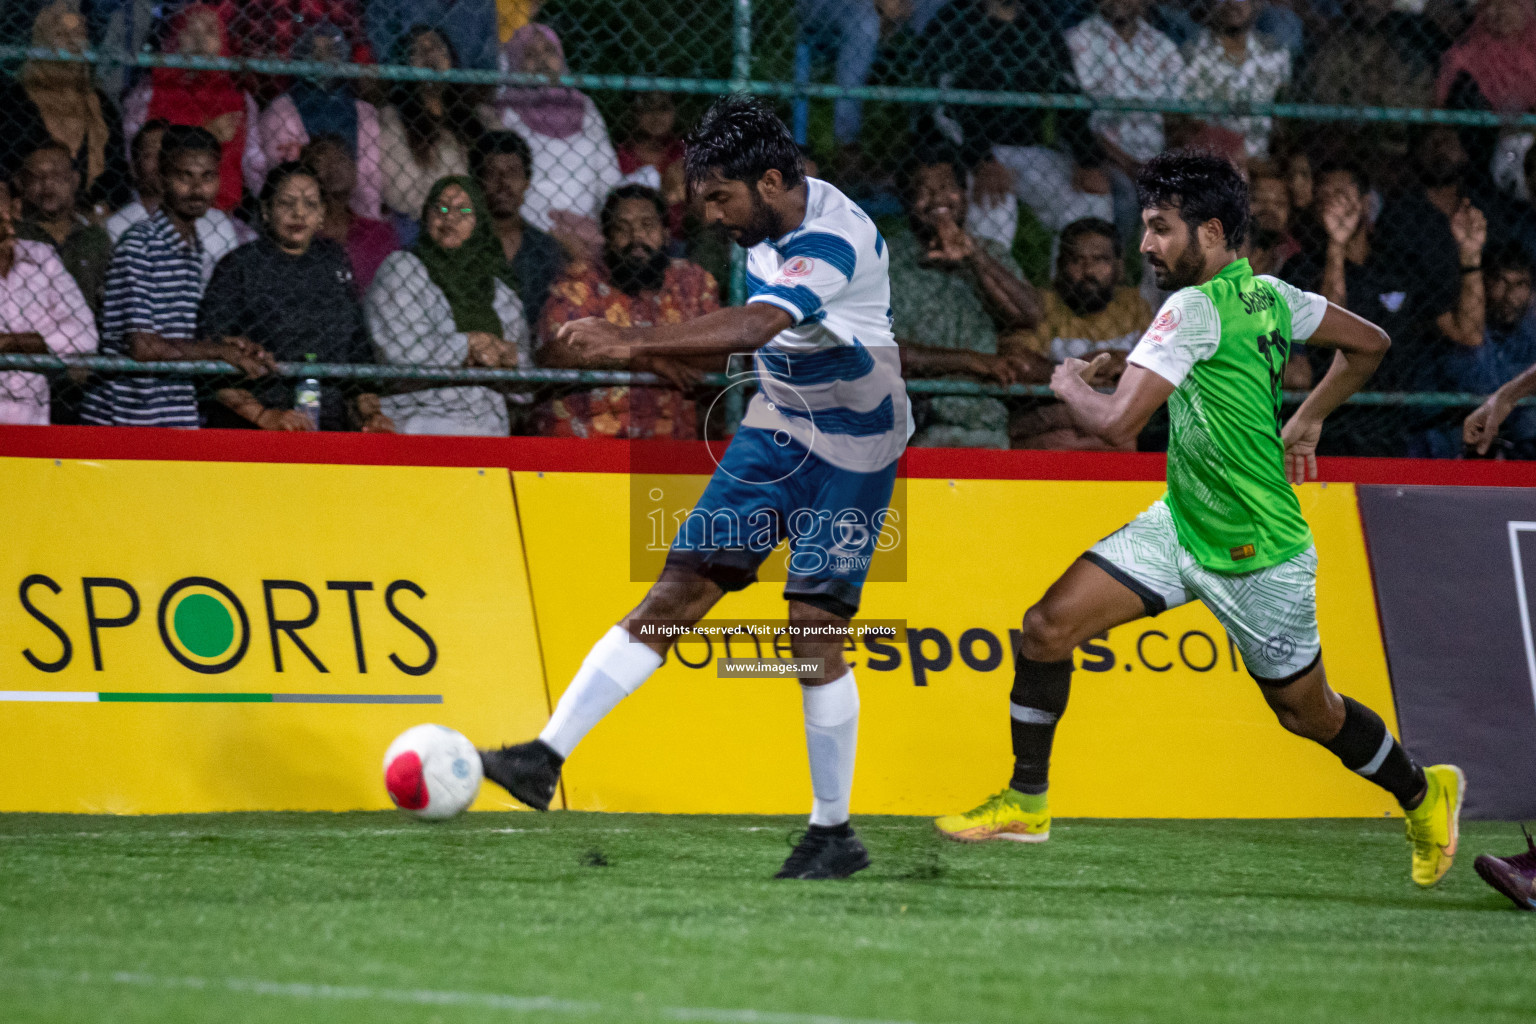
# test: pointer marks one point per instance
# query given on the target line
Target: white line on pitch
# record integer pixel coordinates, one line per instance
(440, 997)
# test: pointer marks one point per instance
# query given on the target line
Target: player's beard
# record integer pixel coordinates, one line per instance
(1186, 270)
(761, 227)
(638, 268)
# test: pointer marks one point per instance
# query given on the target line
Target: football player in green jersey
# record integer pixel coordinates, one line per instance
(1229, 531)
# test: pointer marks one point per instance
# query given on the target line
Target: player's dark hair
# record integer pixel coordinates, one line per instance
(1087, 227)
(626, 192)
(182, 138)
(1201, 186)
(742, 139)
(1503, 258)
(1344, 167)
(500, 143)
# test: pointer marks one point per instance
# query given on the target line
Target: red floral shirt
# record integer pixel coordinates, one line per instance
(689, 292)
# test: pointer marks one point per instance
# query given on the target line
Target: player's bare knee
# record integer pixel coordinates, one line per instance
(1046, 636)
(674, 598)
(1306, 711)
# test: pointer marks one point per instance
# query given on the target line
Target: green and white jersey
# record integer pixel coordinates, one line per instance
(1223, 345)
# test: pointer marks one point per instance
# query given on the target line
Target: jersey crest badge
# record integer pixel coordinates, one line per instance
(800, 266)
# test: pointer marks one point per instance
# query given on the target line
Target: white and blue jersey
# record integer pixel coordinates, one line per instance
(833, 380)
(815, 460)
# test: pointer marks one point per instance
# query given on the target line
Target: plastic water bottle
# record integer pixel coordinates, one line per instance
(306, 397)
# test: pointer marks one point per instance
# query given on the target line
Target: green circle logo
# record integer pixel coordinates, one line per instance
(203, 625)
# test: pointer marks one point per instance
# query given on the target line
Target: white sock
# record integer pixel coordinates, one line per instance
(612, 670)
(831, 739)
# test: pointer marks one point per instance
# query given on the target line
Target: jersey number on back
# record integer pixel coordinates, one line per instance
(1275, 349)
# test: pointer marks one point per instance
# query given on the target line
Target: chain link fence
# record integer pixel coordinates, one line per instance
(374, 214)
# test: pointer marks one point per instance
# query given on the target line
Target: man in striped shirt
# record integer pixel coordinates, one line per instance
(154, 286)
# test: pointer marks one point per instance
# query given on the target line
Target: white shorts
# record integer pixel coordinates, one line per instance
(1270, 614)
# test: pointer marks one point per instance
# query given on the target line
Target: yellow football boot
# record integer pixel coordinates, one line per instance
(1010, 815)
(1434, 825)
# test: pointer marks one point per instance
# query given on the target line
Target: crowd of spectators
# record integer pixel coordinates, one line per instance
(177, 213)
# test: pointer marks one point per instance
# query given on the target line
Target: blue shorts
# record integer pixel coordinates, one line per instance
(765, 491)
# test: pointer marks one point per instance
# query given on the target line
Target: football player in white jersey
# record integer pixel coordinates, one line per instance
(814, 462)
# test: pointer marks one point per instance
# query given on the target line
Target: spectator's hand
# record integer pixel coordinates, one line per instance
(1482, 426)
(1470, 229)
(226, 126)
(289, 151)
(1341, 218)
(369, 417)
(593, 337)
(1029, 366)
(986, 367)
(487, 349)
(1301, 437)
(678, 374)
(378, 423)
(1088, 372)
(992, 184)
(283, 419)
(951, 245)
(247, 356)
(581, 237)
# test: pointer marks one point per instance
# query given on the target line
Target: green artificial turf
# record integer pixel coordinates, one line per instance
(372, 917)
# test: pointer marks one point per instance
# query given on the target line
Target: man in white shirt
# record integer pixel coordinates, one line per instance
(1230, 62)
(216, 230)
(814, 462)
(1116, 54)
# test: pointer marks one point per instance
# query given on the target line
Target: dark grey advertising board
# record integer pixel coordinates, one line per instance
(1455, 576)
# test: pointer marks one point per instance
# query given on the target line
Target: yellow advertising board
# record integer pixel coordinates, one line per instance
(201, 636)
(1163, 722)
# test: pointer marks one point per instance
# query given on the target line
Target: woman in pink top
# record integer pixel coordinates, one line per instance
(312, 108)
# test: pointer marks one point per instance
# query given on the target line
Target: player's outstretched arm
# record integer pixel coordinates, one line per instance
(1359, 348)
(1114, 418)
(738, 329)
(1482, 426)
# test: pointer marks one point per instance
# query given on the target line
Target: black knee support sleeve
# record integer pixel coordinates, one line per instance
(1038, 699)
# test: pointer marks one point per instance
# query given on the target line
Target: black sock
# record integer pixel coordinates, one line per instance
(1039, 697)
(845, 829)
(1367, 748)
